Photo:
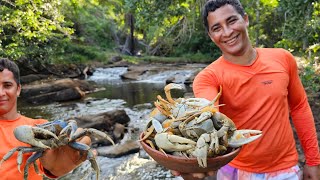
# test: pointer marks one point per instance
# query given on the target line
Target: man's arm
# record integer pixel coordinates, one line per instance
(303, 121)
(206, 85)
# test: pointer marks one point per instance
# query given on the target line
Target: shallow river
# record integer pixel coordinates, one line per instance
(136, 98)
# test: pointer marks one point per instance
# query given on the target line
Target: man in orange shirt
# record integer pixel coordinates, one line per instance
(54, 162)
(261, 88)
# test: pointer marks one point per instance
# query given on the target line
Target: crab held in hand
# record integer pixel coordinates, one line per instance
(52, 135)
(193, 127)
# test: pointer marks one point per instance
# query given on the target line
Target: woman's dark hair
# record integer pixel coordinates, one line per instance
(11, 66)
(212, 5)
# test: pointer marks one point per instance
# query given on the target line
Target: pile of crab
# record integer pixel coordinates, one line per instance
(193, 127)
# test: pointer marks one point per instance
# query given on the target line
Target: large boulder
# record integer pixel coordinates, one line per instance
(32, 77)
(56, 91)
(113, 122)
(134, 72)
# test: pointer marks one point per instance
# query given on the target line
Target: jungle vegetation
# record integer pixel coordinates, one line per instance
(80, 31)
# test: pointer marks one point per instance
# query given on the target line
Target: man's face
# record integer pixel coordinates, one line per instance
(228, 30)
(9, 91)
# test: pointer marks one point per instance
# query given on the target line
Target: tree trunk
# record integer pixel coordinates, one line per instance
(257, 20)
(129, 47)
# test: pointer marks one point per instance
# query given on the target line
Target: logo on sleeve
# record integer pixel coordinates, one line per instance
(267, 82)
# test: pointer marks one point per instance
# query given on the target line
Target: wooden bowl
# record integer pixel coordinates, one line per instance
(188, 165)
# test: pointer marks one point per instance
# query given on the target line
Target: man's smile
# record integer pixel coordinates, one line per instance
(231, 40)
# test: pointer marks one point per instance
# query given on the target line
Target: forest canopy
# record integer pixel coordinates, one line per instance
(82, 30)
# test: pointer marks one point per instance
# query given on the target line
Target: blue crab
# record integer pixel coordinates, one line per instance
(52, 135)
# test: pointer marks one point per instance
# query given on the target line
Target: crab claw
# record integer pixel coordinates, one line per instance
(33, 135)
(171, 143)
(243, 136)
(157, 125)
(167, 89)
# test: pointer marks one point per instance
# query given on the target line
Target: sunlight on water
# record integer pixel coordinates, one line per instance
(108, 75)
(179, 76)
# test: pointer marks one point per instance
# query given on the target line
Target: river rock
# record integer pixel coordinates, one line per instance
(113, 122)
(32, 77)
(190, 79)
(119, 130)
(57, 96)
(128, 147)
(56, 91)
(134, 72)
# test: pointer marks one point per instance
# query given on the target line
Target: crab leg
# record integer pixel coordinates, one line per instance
(22, 150)
(162, 107)
(201, 150)
(91, 131)
(30, 160)
(147, 133)
(72, 126)
(36, 168)
(151, 144)
(79, 146)
(9, 154)
(167, 89)
(243, 136)
(94, 163)
(217, 96)
(204, 103)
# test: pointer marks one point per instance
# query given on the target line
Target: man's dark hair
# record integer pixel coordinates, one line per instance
(212, 5)
(11, 66)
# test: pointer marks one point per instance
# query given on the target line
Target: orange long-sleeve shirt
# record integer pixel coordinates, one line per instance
(261, 96)
(9, 168)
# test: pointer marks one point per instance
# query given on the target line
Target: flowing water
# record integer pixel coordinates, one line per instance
(136, 98)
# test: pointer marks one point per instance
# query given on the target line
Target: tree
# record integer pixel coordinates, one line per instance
(29, 28)
(301, 23)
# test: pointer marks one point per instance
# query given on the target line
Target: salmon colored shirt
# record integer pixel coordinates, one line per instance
(262, 96)
(9, 168)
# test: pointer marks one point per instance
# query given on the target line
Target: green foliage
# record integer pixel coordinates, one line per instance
(77, 53)
(310, 75)
(27, 27)
(84, 30)
(91, 24)
(300, 22)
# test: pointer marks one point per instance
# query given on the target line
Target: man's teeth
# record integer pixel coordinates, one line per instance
(231, 40)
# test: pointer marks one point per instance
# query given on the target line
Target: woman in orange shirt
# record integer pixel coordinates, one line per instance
(261, 88)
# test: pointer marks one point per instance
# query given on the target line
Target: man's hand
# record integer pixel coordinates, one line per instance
(62, 160)
(193, 175)
(311, 172)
